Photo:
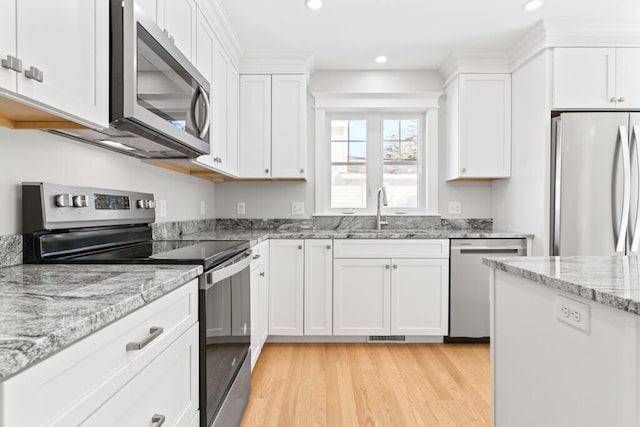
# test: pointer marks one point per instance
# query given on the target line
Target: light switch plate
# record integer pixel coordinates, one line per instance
(455, 208)
(297, 208)
(240, 208)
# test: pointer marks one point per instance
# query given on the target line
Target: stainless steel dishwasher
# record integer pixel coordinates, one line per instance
(469, 285)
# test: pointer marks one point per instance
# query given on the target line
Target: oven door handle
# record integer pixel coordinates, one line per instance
(241, 262)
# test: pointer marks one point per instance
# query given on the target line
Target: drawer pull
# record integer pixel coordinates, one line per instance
(157, 420)
(262, 274)
(256, 256)
(155, 332)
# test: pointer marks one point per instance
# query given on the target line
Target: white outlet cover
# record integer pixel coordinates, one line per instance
(241, 208)
(455, 208)
(573, 313)
(297, 208)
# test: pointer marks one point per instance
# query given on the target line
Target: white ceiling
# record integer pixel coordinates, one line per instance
(414, 34)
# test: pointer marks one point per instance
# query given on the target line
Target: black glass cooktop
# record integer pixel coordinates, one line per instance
(206, 253)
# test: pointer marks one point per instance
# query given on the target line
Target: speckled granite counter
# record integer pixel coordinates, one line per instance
(613, 281)
(44, 308)
(257, 236)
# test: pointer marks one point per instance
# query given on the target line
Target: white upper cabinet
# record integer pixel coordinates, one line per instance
(233, 120)
(479, 126)
(289, 126)
(596, 78)
(221, 63)
(205, 41)
(286, 287)
(8, 77)
(255, 126)
(178, 18)
(65, 67)
(318, 287)
(628, 77)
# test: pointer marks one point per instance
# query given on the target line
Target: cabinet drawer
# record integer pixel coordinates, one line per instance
(167, 388)
(70, 385)
(391, 248)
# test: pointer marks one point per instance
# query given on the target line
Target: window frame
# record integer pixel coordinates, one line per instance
(422, 105)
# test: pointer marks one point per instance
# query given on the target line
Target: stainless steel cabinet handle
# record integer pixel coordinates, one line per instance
(621, 99)
(395, 266)
(301, 170)
(464, 169)
(262, 274)
(34, 74)
(154, 331)
(256, 256)
(12, 63)
(157, 420)
(328, 246)
(266, 171)
(613, 99)
(386, 267)
(299, 246)
(626, 190)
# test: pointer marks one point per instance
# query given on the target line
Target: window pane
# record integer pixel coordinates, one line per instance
(357, 151)
(409, 150)
(349, 186)
(391, 150)
(357, 130)
(391, 130)
(339, 151)
(402, 185)
(409, 130)
(339, 130)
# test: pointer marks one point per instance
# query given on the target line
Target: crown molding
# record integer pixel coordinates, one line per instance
(223, 29)
(277, 63)
(482, 62)
(413, 101)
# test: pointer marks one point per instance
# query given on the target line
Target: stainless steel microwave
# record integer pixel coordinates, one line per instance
(159, 102)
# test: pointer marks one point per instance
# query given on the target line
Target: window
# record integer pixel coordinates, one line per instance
(370, 150)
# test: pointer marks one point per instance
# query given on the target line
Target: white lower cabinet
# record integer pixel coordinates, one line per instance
(97, 381)
(286, 290)
(384, 295)
(318, 289)
(259, 300)
(361, 297)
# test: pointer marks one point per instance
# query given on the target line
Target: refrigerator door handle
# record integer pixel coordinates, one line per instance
(558, 188)
(635, 241)
(626, 190)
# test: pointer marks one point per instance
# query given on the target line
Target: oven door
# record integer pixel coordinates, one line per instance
(225, 335)
(161, 89)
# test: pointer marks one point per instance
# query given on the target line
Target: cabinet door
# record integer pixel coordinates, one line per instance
(8, 78)
(205, 42)
(255, 126)
(286, 290)
(361, 296)
(74, 59)
(318, 292)
(485, 125)
(150, 8)
(263, 297)
(627, 77)
(178, 17)
(255, 313)
(419, 297)
(584, 78)
(233, 119)
(289, 121)
(221, 64)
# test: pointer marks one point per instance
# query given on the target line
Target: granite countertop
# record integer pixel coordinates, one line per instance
(613, 280)
(257, 236)
(44, 308)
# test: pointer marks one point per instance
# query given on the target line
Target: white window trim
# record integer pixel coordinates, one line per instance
(424, 103)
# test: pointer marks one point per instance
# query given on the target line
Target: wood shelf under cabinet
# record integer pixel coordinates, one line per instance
(191, 167)
(16, 115)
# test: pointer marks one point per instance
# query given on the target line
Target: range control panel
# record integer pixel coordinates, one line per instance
(49, 206)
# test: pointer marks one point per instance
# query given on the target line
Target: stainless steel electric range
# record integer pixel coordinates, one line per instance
(70, 225)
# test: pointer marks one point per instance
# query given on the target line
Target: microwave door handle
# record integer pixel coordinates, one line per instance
(194, 100)
(205, 98)
(635, 241)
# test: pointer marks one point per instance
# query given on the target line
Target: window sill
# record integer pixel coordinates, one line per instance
(422, 214)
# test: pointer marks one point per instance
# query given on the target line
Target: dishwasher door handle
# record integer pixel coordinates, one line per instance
(491, 251)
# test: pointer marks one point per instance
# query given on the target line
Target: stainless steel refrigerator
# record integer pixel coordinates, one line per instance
(595, 184)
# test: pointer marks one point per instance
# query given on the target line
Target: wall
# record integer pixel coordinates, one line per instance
(522, 202)
(27, 155)
(273, 200)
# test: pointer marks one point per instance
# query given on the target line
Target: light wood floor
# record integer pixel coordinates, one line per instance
(370, 385)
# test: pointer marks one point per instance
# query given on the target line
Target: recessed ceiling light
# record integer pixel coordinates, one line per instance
(313, 4)
(381, 59)
(115, 144)
(532, 5)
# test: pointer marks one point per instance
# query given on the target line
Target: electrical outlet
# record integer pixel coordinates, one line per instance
(203, 207)
(573, 313)
(297, 208)
(163, 208)
(455, 208)
(240, 208)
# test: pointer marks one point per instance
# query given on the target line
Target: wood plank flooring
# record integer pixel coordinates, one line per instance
(370, 385)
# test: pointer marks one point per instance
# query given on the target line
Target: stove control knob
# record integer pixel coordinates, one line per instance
(80, 201)
(63, 200)
(152, 204)
(141, 204)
